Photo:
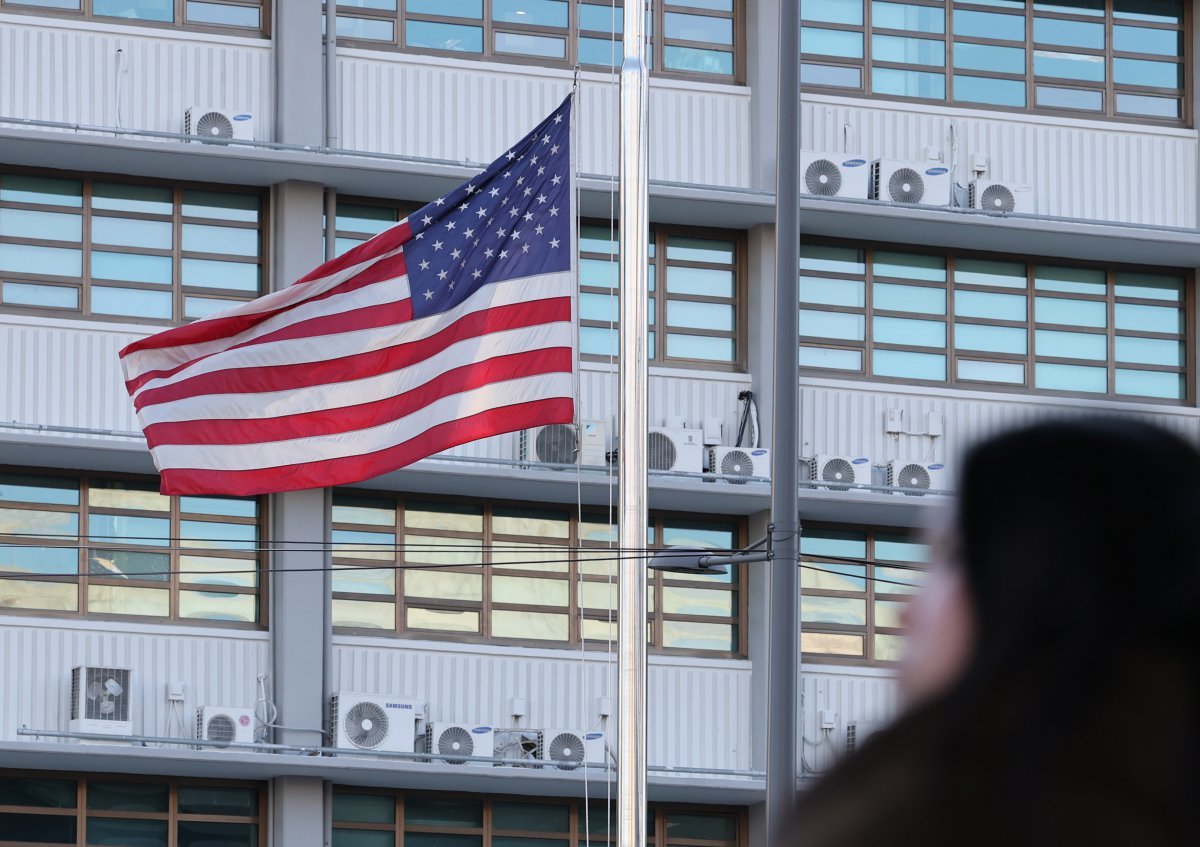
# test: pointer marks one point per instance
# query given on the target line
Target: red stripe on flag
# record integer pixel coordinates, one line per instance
(216, 328)
(357, 468)
(254, 380)
(364, 415)
(367, 317)
(386, 241)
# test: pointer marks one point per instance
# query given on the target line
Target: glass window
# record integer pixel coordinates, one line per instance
(694, 38)
(41, 810)
(847, 607)
(122, 567)
(527, 574)
(244, 17)
(1058, 328)
(134, 232)
(1009, 56)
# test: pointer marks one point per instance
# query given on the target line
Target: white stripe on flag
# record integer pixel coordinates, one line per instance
(238, 457)
(337, 395)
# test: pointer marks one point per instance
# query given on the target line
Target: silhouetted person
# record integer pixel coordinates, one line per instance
(1053, 673)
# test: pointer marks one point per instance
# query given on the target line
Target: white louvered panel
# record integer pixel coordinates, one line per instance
(1118, 172)
(387, 101)
(851, 696)
(852, 421)
(71, 75)
(35, 676)
(476, 688)
(64, 376)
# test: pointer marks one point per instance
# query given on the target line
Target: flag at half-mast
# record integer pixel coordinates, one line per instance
(456, 324)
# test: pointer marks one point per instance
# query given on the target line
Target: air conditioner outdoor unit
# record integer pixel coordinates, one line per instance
(209, 124)
(738, 464)
(839, 473)
(570, 748)
(461, 739)
(670, 449)
(518, 748)
(858, 732)
(224, 725)
(375, 722)
(1001, 197)
(558, 443)
(101, 701)
(911, 183)
(915, 478)
(834, 174)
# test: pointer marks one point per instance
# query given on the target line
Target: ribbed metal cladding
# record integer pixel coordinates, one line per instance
(709, 141)
(1111, 172)
(852, 421)
(35, 676)
(69, 73)
(851, 695)
(699, 716)
(63, 375)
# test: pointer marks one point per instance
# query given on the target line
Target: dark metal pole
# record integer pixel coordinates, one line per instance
(782, 657)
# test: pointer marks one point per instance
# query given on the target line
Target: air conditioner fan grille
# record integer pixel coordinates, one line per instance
(823, 178)
(906, 186)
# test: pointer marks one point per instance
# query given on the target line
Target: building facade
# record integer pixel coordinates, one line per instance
(476, 585)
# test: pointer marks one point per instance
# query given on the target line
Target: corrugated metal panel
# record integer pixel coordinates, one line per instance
(852, 697)
(1127, 174)
(699, 717)
(690, 395)
(391, 104)
(63, 376)
(851, 420)
(68, 74)
(35, 676)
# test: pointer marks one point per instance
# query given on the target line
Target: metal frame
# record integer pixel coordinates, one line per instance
(574, 552)
(576, 834)
(1030, 358)
(1108, 88)
(81, 813)
(872, 592)
(569, 35)
(84, 12)
(84, 282)
(84, 578)
(660, 235)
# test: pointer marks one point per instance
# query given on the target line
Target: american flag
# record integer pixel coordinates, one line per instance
(456, 324)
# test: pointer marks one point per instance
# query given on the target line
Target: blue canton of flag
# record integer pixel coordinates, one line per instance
(513, 220)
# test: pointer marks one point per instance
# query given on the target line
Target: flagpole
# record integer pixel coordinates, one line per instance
(631, 583)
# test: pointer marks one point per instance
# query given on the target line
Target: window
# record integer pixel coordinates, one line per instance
(695, 287)
(482, 571)
(116, 547)
(48, 808)
(850, 610)
(696, 284)
(115, 250)
(690, 38)
(240, 17)
(999, 323)
(1114, 58)
(365, 817)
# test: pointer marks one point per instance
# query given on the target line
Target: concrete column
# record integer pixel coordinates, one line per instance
(760, 308)
(299, 72)
(299, 589)
(762, 75)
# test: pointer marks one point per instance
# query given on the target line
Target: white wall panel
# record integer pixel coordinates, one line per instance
(60, 71)
(35, 674)
(459, 111)
(699, 716)
(852, 420)
(852, 695)
(63, 375)
(1078, 169)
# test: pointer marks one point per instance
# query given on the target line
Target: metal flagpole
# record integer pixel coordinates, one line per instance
(782, 655)
(631, 583)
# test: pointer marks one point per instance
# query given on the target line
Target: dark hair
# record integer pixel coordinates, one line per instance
(1075, 721)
